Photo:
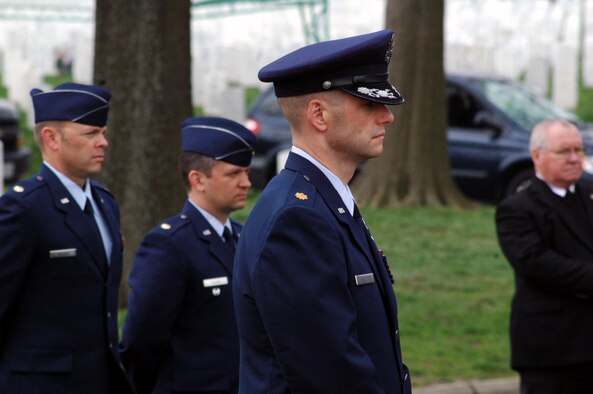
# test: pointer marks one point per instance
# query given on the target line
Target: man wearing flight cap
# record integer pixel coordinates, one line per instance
(180, 334)
(61, 256)
(313, 296)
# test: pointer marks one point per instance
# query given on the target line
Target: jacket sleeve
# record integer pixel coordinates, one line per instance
(529, 247)
(17, 237)
(301, 282)
(157, 282)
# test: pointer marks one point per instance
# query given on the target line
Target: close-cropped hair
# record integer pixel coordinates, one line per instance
(539, 133)
(56, 124)
(294, 108)
(191, 161)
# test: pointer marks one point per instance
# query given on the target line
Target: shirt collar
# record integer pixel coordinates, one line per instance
(559, 191)
(343, 190)
(78, 194)
(214, 223)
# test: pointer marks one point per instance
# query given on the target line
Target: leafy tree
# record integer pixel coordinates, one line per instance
(142, 54)
(414, 168)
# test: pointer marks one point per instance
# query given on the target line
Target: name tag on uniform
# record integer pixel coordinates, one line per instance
(61, 253)
(364, 279)
(212, 282)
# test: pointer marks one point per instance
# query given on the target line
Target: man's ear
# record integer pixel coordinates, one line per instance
(50, 137)
(535, 153)
(196, 179)
(316, 114)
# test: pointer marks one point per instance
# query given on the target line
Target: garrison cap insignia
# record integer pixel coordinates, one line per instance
(301, 196)
(166, 226)
(207, 232)
(18, 189)
(65, 200)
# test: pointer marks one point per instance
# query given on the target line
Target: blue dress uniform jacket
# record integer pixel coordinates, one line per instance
(180, 333)
(305, 325)
(552, 257)
(58, 310)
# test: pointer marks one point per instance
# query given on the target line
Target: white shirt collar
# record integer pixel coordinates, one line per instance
(215, 223)
(78, 194)
(559, 191)
(343, 190)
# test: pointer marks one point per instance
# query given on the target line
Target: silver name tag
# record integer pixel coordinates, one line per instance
(212, 282)
(61, 253)
(364, 279)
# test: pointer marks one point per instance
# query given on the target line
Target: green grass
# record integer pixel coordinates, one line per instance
(585, 105)
(453, 288)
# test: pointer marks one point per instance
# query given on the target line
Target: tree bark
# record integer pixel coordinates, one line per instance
(414, 168)
(142, 54)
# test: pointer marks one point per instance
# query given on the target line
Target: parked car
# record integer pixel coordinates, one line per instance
(489, 123)
(16, 155)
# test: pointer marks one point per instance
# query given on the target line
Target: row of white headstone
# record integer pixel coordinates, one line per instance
(536, 41)
(531, 40)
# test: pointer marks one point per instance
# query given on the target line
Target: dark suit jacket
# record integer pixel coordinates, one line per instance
(305, 326)
(58, 311)
(552, 256)
(180, 333)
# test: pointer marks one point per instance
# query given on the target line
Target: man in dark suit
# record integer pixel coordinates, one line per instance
(61, 256)
(546, 233)
(180, 333)
(313, 297)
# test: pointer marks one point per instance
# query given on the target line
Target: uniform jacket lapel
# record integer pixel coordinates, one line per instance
(206, 234)
(75, 219)
(336, 206)
(541, 191)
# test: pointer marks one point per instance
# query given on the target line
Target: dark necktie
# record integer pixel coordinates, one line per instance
(98, 240)
(229, 240)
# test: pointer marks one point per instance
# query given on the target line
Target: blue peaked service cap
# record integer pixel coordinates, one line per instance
(356, 65)
(74, 102)
(219, 138)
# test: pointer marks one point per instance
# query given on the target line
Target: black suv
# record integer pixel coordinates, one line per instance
(489, 122)
(16, 155)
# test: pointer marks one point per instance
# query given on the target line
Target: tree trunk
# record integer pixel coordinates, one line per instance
(142, 54)
(414, 168)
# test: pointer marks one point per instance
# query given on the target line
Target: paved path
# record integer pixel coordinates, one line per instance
(494, 386)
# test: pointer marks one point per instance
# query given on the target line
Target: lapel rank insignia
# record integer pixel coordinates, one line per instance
(341, 210)
(301, 196)
(65, 200)
(18, 189)
(206, 232)
(166, 226)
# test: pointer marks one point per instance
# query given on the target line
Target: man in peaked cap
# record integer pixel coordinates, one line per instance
(313, 295)
(61, 256)
(180, 334)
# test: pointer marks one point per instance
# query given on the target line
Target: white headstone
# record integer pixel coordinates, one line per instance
(234, 103)
(83, 57)
(565, 71)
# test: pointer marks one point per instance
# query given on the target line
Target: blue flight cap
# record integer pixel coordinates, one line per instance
(74, 102)
(219, 138)
(356, 65)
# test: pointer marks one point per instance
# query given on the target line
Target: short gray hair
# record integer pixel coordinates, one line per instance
(539, 133)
